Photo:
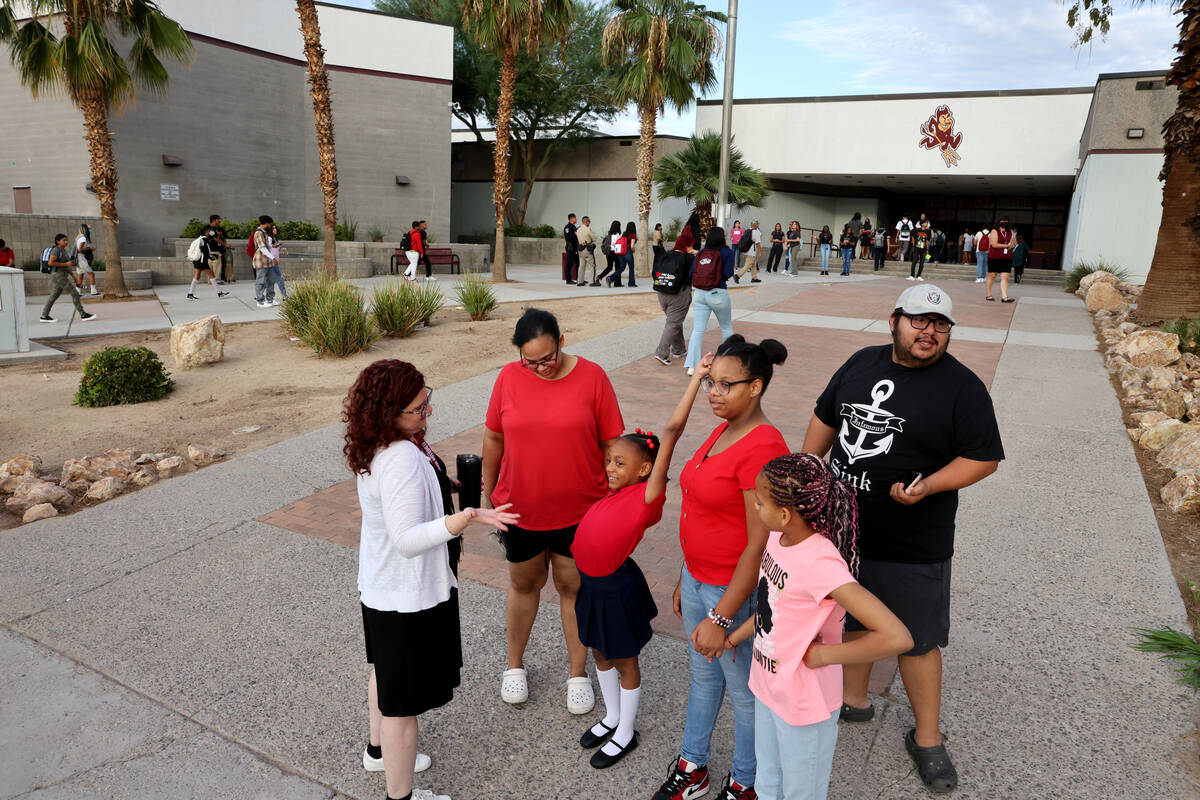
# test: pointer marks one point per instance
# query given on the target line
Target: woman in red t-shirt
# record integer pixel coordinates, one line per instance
(549, 421)
(723, 538)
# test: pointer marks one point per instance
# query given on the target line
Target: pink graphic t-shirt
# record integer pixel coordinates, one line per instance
(794, 607)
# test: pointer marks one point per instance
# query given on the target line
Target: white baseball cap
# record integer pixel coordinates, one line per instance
(926, 298)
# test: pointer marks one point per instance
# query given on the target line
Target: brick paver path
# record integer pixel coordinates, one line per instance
(648, 391)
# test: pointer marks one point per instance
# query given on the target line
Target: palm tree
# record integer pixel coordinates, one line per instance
(664, 51)
(1172, 289)
(506, 27)
(694, 174)
(318, 80)
(85, 63)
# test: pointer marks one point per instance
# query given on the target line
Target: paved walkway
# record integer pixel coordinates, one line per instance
(172, 642)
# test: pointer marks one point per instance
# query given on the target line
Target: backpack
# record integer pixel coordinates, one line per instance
(880, 237)
(619, 246)
(46, 268)
(250, 248)
(195, 252)
(747, 241)
(706, 274)
(671, 272)
(406, 241)
(606, 245)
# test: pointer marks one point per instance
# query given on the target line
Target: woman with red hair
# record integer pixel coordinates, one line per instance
(407, 564)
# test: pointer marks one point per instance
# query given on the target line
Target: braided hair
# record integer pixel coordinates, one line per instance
(646, 442)
(805, 483)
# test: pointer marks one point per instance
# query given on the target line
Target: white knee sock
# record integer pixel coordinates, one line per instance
(610, 691)
(193, 289)
(629, 709)
(213, 281)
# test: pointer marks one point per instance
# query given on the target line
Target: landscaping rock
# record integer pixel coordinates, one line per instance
(1144, 419)
(9, 484)
(1182, 494)
(166, 467)
(1103, 297)
(1156, 437)
(1159, 378)
(35, 492)
(105, 489)
(1130, 289)
(1172, 404)
(150, 458)
(1134, 433)
(201, 341)
(77, 488)
(144, 476)
(1128, 327)
(1099, 276)
(202, 455)
(1183, 454)
(40, 511)
(1150, 348)
(21, 465)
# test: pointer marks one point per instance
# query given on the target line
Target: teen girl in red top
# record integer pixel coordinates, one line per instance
(551, 417)
(1001, 243)
(614, 606)
(722, 539)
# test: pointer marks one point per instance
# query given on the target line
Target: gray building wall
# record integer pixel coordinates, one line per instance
(29, 234)
(1118, 105)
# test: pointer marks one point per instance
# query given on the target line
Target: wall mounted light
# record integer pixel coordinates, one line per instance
(171, 161)
(402, 180)
(1135, 133)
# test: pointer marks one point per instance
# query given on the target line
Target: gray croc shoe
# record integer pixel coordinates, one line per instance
(933, 764)
(851, 713)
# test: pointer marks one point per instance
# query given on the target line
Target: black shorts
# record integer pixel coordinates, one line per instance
(999, 265)
(919, 594)
(417, 656)
(521, 545)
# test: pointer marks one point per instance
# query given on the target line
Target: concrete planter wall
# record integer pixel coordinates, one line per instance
(38, 284)
(29, 234)
(521, 250)
(473, 256)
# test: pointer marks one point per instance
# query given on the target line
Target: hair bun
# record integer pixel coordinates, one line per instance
(736, 338)
(774, 350)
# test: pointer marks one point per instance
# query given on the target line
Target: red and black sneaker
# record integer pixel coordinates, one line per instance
(684, 782)
(732, 790)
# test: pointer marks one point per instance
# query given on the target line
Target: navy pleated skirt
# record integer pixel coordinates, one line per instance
(614, 612)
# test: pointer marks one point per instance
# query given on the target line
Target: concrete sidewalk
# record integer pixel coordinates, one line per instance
(168, 642)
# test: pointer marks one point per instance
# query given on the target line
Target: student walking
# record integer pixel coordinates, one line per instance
(749, 251)
(275, 272)
(60, 265)
(981, 254)
(625, 247)
(610, 255)
(84, 255)
(920, 252)
(656, 242)
(795, 245)
(711, 269)
(411, 243)
(1001, 242)
(805, 587)
(776, 254)
(847, 243)
(735, 239)
(904, 231)
(614, 605)
(825, 242)
(264, 291)
(1020, 258)
(967, 246)
(879, 247)
(205, 255)
(226, 276)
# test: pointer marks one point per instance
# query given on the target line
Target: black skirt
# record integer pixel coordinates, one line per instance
(417, 656)
(614, 612)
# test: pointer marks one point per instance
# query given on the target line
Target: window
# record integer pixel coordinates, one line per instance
(22, 200)
(1143, 86)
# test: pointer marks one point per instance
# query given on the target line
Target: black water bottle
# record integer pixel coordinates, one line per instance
(470, 476)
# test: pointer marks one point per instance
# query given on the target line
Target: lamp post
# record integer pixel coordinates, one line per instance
(726, 113)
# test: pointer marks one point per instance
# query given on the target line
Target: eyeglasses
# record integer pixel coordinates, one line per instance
(541, 362)
(921, 322)
(423, 410)
(720, 388)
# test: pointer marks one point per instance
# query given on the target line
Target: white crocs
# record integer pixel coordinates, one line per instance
(425, 794)
(514, 686)
(580, 697)
(376, 764)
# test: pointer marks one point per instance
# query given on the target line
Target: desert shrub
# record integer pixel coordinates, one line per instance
(519, 229)
(1083, 268)
(396, 308)
(329, 316)
(545, 232)
(299, 231)
(119, 375)
(32, 265)
(347, 229)
(1188, 331)
(98, 266)
(671, 229)
(376, 234)
(475, 295)
(429, 299)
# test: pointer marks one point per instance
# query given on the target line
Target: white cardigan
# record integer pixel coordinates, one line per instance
(403, 563)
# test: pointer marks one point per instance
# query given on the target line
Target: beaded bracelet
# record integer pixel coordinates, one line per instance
(718, 620)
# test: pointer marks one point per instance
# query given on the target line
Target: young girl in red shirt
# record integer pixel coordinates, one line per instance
(614, 607)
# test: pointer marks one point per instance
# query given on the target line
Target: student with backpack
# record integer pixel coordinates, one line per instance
(606, 247)
(259, 248)
(712, 267)
(57, 263)
(904, 230)
(671, 271)
(749, 249)
(84, 253)
(202, 252)
(410, 243)
(879, 246)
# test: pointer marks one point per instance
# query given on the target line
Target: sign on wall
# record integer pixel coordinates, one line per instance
(169, 191)
(938, 134)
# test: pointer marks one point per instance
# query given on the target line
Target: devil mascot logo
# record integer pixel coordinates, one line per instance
(938, 133)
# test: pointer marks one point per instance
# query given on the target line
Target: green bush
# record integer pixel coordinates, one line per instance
(194, 228)
(32, 265)
(520, 229)
(347, 229)
(545, 232)
(119, 375)
(671, 229)
(475, 295)
(1188, 331)
(299, 231)
(329, 316)
(1083, 268)
(291, 231)
(98, 266)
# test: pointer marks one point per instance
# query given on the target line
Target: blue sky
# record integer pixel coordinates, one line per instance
(800, 48)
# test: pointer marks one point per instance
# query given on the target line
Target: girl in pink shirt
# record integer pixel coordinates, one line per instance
(805, 588)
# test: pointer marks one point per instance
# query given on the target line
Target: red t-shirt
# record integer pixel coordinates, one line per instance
(553, 468)
(6, 257)
(612, 528)
(1001, 244)
(712, 526)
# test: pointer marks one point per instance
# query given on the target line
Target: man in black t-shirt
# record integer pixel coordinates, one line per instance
(570, 268)
(907, 426)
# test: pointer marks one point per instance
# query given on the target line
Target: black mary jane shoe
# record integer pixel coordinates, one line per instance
(590, 740)
(602, 760)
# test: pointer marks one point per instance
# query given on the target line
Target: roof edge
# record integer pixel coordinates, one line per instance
(411, 17)
(908, 96)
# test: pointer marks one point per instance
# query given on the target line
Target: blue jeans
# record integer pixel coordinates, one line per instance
(847, 254)
(275, 278)
(825, 257)
(264, 288)
(981, 263)
(794, 761)
(709, 681)
(705, 302)
(625, 262)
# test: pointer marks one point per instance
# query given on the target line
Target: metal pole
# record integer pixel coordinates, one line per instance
(727, 113)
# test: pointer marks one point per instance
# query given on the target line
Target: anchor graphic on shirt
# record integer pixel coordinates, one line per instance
(869, 420)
